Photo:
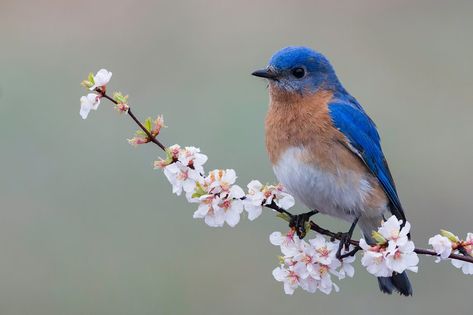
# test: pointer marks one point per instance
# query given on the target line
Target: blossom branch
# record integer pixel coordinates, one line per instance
(305, 264)
(317, 228)
(313, 226)
(136, 120)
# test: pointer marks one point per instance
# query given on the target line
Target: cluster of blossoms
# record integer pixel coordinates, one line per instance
(260, 195)
(392, 251)
(309, 265)
(183, 168)
(220, 199)
(98, 83)
(446, 243)
(95, 82)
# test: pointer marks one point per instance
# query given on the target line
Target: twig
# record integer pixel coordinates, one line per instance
(130, 113)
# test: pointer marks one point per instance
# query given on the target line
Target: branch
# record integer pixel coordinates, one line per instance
(313, 226)
(130, 113)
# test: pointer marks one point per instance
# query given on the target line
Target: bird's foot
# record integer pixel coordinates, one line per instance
(345, 239)
(300, 223)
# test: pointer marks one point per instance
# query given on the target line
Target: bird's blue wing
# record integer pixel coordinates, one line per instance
(364, 140)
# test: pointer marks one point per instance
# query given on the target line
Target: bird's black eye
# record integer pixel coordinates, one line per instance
(298, 72)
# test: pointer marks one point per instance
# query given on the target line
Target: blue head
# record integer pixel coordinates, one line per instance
(299, 70)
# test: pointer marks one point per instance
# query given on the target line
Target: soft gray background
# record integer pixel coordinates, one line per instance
(86, 225)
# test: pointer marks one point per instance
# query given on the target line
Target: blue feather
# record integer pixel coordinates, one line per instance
(360, 130)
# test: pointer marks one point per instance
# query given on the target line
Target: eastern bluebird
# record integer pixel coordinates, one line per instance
(325, 149)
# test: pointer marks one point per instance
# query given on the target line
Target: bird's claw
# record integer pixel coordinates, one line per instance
(300, 223)
(345, 239)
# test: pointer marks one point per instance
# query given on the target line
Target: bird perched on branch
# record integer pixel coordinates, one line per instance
(326, 150)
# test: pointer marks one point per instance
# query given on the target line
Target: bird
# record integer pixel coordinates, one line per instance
(326, 150)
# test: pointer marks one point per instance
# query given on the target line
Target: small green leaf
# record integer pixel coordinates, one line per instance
(86, 84)
(141, 133)
(169, 155)
(199, 191)
(449, 235)
(90, 78)
(378, 238)
(281, 260)
(148, 124)
(120, 98)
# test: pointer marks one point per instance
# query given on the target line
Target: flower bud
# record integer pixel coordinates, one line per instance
(449, 235)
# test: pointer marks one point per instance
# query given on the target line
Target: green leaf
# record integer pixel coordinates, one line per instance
(169, 155)
(86, 84)
(120, 98)
(90, 78)
(199, 191)
(281, 260)
(141, 133)
(148, 124)
(378, 238)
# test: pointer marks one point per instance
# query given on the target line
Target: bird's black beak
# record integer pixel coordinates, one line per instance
(266, 73)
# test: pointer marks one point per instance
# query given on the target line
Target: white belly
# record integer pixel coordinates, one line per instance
(341, 195)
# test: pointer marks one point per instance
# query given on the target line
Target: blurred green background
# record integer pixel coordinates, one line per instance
(87, 226)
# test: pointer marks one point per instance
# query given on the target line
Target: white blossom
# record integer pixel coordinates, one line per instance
(221, 180)
(101, 78)
(391, 231)
(321, 274)
(182, 178)
(88, 103)
(259, 195)
(394, 252)
(288, 277)
(232, 205)
(466, 267)
(324, 251)
(442, 246)
(183, 168)
(346, 267)
(467, 245)
(310, 284)
(289, 242)
(254, 199)
(191, 157)
(374, 260)
(216, 211)
(403, 258)
(279, 195)
(207, 210)
(309, 265)
(220, 200)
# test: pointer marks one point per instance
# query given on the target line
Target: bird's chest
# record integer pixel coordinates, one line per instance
(334, 190)
(311, 159)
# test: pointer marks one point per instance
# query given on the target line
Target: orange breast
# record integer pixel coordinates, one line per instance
(296, 121)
